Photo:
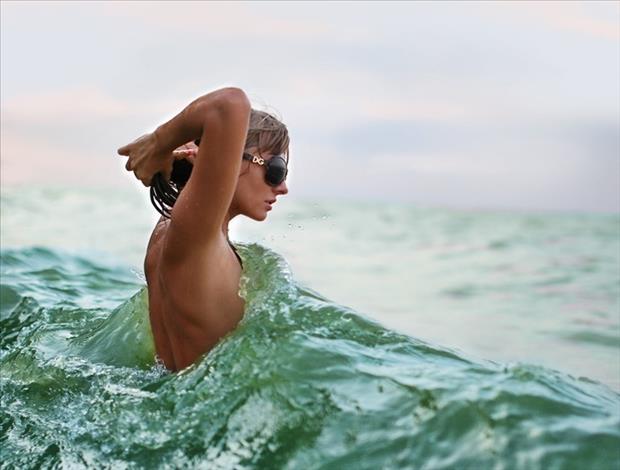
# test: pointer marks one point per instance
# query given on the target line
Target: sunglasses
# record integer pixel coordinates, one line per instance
(276, 168)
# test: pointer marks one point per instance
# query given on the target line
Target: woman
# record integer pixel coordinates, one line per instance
(192, 270)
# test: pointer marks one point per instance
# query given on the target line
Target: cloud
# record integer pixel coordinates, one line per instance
(37, 160)
(232, 20)
(67, 106)
(597, 19)
(448, 92)
(69, 136)
(72, 106)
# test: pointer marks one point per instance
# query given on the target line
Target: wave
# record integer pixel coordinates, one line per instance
(302, 382)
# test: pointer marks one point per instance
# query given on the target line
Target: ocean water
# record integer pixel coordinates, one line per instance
(375, 336)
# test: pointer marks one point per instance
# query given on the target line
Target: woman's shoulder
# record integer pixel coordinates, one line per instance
(154, 247)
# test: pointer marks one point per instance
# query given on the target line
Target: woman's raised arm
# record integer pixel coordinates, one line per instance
(220, 119)
(153, 153)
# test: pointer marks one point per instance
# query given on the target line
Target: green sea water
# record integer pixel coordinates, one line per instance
(305, 382)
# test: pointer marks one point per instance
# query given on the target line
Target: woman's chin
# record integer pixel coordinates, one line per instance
(258, 216)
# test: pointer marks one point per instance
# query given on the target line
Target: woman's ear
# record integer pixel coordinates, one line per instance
(244, 168)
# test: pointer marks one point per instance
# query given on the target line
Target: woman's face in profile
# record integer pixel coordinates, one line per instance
(253, 197)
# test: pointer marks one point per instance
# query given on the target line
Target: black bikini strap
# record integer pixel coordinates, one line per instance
(236, 254)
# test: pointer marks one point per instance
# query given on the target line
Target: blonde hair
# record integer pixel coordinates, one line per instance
(267, 133)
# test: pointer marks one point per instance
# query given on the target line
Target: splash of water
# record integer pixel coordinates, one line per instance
(301, 383)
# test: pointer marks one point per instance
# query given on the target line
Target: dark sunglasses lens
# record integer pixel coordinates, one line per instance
(276, 171)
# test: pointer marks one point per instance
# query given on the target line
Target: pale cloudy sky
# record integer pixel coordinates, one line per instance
(486, 104)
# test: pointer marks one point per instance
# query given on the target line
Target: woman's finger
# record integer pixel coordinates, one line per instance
(188, 154)
(142, 179)
(124, 150)
(128, 166)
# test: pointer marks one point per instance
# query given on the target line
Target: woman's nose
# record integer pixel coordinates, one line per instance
(282, 188)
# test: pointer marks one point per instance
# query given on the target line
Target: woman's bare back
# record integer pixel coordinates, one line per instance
(193, 303)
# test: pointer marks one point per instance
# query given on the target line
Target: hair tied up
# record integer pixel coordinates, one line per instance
(265, 132)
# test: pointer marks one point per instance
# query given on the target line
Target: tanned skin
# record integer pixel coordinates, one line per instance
(192, 272)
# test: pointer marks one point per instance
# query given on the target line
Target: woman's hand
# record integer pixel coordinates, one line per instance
(146, 159)
(186, 151)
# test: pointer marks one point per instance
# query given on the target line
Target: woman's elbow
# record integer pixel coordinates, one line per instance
(233, 99)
